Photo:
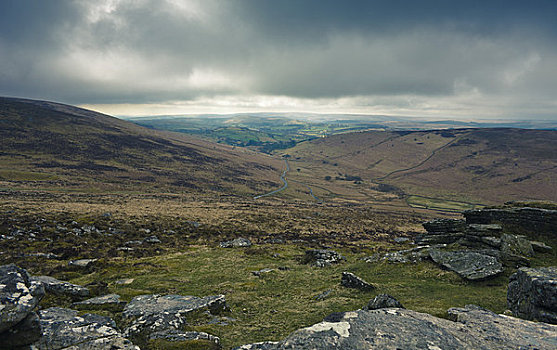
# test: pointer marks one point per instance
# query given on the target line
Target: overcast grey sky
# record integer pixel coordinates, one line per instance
(446, 59)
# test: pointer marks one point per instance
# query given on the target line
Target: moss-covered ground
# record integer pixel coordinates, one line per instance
(188, 260)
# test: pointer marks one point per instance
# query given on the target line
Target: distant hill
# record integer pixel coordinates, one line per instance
(51, 145)
(484, 166)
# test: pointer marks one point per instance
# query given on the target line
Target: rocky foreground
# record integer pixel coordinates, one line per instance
(476, 248)
(382, 324)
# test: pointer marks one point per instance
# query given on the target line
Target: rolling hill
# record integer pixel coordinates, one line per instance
(466, 166)
(49, 145)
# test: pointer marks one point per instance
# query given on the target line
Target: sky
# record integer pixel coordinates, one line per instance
(435, 59)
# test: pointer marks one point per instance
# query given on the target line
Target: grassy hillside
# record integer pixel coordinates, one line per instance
(53, 146)
(452, 169)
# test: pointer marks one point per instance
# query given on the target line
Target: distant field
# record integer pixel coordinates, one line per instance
(439, 204)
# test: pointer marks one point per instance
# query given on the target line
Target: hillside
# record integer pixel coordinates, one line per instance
(481, 166)
(48, 145)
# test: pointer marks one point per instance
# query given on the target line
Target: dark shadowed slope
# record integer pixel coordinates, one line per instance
(51, 145)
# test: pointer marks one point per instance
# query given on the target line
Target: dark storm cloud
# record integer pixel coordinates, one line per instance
(439, 53)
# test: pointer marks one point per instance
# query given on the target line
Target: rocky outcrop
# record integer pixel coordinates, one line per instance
(515, 250)
(236, 243)
(532, 294)
(322, 257)
(394, 328)
(64, 329)
(19, 296)
(350, 280)
(57, 287)
(150, 317)
(516, 219)
(469, 265)
(383, 301)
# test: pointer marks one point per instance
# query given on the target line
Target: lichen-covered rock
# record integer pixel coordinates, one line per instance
(520, 219)
(467, 264)
(515, 250)
(403, 256)
(383, 301)
(265, 345)
(149, 314)
(182, 336)
(152, 240)
(106, 302)
(19, 295)
(444, 226)
(532, 294)
(54, 286)
(82, 263)
(350, 280)
(394, 328)
(438, 238)
(236, 243)
(65, 329)
(322, 257)
(484, 229)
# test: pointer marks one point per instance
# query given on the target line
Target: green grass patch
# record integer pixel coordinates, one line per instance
(273, 305)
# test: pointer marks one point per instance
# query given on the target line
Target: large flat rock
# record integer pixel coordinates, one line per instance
(65, 329)
(468, 264)
(150, 315)
(394, 328)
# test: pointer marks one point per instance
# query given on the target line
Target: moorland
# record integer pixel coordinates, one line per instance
(76, 184)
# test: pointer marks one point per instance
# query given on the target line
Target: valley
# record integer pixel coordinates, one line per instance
(121, 209)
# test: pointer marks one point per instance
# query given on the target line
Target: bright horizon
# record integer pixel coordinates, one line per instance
(430, 59)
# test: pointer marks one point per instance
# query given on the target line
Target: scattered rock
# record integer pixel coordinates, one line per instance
(236, 243)
(165, 314)
(383, 301)
(469, 265)
(401, 240)
(82, 262)
(532, 294)
(64, 329)
(54, 286)
(152, 240)
(540, 247)
(179, 336)
(324, 295)
(125, 281)
(350, 280)
(266, 345)
(19, 296)
(322, 257)
(394, 328)
(404, 256)
(110, 302)
(262, 271)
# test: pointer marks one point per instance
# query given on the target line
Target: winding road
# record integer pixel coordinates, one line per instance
(282, 178)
